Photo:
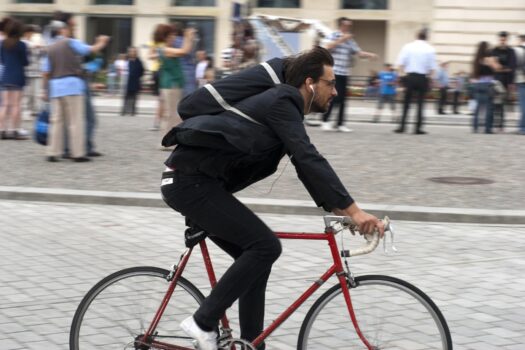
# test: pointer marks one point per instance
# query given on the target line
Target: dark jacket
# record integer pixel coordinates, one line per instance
(135, 72)
(240, 151)
(14, 59)
(507, 59)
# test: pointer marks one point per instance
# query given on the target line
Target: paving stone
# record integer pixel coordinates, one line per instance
(445, 151)
(40, 295)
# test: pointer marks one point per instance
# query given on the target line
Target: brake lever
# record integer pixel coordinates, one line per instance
(393, 248)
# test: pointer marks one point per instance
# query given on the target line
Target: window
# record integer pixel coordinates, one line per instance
(278, 3)
(205, 37)
(365, 4)
(112, 2)
(192, 2)
(34, 1)
(35, 19)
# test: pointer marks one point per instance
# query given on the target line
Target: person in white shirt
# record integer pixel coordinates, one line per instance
(200, 68)
(418, 61)
(122, 71)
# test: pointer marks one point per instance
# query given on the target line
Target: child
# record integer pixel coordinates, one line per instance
(387, 90)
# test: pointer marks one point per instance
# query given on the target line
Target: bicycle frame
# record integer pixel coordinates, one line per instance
(336, 268)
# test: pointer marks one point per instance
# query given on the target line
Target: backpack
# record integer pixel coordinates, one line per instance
(42, 126)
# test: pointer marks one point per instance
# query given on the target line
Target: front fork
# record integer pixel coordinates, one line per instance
(346, 280)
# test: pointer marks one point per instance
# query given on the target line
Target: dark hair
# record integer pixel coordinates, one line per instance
(31, 28)
(63, 17)
(2, 23)
(178, 28)
(481, 53)
(162, 32)
(340, 20)
(308, 64)
(13, 30)
(422, 34)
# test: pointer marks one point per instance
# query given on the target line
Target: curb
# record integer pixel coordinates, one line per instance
(269, 206)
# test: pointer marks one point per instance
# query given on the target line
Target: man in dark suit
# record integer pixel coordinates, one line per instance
(231, 140)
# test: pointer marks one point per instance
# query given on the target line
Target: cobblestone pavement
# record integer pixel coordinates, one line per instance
(377, 166)
(53, 253)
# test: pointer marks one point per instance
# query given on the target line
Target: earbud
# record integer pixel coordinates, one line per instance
(312, 88)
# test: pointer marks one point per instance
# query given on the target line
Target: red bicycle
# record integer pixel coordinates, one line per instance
(141, 307)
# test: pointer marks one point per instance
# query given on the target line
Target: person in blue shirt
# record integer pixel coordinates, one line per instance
(66, 90)
(387, 90)
(188, 63)
(442, 79)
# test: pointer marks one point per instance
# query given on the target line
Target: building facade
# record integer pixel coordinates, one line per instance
(380, 26)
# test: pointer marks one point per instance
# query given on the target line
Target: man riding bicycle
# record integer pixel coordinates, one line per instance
(235, 133)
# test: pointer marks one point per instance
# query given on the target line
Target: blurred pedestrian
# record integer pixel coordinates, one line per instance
(154, 69)
(171, 78)
(187, 61)
(498, 97)
(122, 72)
(14, 57)
(33, 69)
(372, 85)
(505, 74)
(458, 89)
(209, 73)
(520, 80)
(133, 86)
(200, 68)
(250, 46)
(484, 68)
(111, 77)
(443, 82)
(343, 47)
(66, 88)
(232, 56)
(387, 90)
(417, 60)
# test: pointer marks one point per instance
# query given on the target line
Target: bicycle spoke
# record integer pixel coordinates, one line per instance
(116, 313)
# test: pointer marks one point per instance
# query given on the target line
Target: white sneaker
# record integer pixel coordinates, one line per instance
(327, 126)
(205, 340)
(343, 128)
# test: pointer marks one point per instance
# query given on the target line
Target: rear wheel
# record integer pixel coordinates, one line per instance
(118, 310)
(391, 313)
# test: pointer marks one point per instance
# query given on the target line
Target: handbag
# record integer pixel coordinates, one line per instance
(42, 126)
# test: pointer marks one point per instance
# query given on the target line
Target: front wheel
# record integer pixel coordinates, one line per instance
(391, 314)
(115, 313)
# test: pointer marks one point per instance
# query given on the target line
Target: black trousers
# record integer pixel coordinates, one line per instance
(130, 102)
(442, 102)
(341, 82)
(239, 232)
(457, 95)
(415, 84)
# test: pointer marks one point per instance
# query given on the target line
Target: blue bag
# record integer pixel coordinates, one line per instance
(42, 126)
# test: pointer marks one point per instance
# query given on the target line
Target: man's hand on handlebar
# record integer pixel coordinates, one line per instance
(366, 223)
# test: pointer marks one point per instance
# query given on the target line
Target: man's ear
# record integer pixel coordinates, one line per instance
(308, 82)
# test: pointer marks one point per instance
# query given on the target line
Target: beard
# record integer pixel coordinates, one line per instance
(319, 108)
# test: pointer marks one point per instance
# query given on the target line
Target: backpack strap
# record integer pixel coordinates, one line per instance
(271, 72)
(220, 100)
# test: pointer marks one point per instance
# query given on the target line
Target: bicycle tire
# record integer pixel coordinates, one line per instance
(121, 306)
(391, 313)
